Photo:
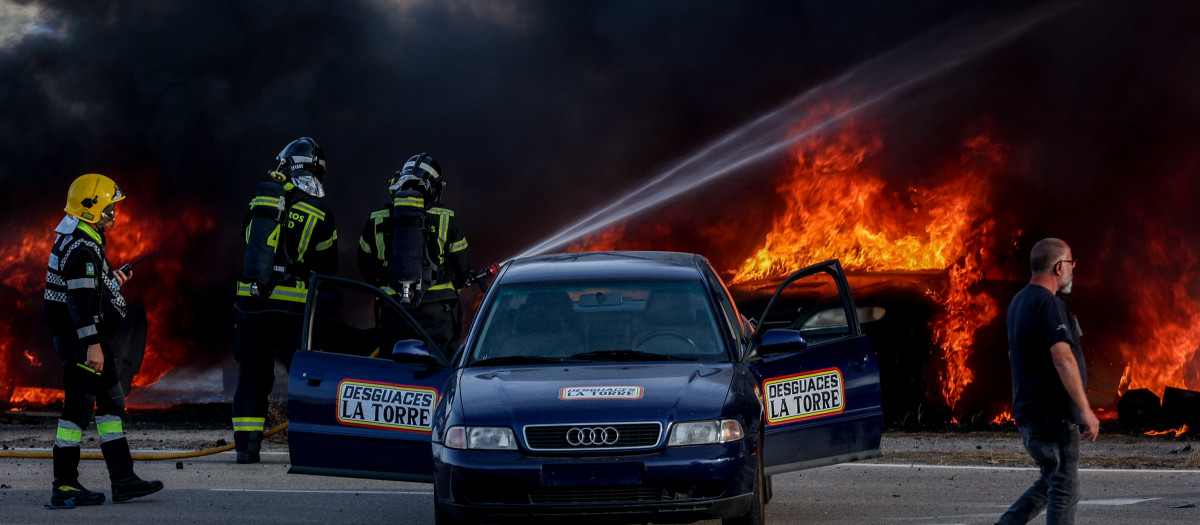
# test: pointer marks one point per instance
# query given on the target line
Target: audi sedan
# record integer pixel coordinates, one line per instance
(602, 386)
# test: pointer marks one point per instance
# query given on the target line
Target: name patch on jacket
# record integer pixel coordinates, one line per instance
(804, 396)
(386, 405)
(600, 392)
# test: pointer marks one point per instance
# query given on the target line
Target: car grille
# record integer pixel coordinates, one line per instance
(582, 495)
(629, 436)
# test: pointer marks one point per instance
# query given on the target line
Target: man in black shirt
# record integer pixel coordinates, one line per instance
(1049, 375)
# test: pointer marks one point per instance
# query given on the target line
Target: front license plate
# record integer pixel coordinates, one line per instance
(590, 474)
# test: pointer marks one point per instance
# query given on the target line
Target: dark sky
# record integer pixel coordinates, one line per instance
(542, 111)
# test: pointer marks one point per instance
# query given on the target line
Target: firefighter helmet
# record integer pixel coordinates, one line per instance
(301, 166)
(422, 173)
(302, 154)
(92, 197)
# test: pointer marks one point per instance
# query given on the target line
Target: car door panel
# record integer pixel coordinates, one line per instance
(822, 402)
(353, 415)
(362, 417)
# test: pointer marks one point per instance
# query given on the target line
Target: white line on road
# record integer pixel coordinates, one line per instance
(318, 491)
(1031, 469)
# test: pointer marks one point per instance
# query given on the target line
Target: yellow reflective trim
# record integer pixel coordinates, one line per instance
(69, 435)
(380, 249)
(363, 245)
(294, 294)
(309, 209)
(443, 286)
(272, 202)
(249, 423)
(410, 202)
(110, 427)
(458, 246)
(380, 215)
(87, 228)
(88, 368)
(327, 244)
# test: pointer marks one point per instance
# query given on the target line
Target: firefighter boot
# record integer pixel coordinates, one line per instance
(67, 491)
(125, 484)
(248, 444)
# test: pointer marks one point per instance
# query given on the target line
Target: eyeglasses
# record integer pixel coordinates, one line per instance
(1072, 261)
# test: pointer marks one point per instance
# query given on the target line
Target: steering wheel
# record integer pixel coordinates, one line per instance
(662, 332)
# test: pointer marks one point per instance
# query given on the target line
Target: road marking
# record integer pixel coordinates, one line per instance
(1115, 501)
(318, 491)
(1100, 502)
(1029, 469)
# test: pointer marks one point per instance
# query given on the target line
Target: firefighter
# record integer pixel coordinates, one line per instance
(424, 269)
(84, 307)
(290, 234)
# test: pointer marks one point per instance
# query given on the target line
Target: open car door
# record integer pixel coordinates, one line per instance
(818, 374)
(354, 410)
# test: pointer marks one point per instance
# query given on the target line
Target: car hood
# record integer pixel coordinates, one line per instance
(518, 396)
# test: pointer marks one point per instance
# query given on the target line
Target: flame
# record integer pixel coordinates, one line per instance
(954, 330)
(1004, 418)
(1165, 325)
(33, 360)
(838, 207)
(36, 396)
(1178, 432)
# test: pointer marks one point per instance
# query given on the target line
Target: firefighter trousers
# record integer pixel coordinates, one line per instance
(260, 339)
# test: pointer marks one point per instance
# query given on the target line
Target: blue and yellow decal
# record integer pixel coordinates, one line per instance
(804, 396)
(388, 406)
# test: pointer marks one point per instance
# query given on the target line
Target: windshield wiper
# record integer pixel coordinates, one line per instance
(516, 360)
(627, 355)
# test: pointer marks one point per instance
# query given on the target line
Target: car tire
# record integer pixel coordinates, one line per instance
(757, 514)
(440, 516)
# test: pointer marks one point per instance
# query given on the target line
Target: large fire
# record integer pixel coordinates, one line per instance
(155, 286)
(839, 207)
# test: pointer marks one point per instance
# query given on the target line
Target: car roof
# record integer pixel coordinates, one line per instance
(605, 265)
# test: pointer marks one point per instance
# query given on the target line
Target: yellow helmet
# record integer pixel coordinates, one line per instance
(91, 196)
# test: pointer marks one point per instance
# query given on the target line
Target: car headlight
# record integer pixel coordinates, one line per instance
(481, 438)
(705, 432)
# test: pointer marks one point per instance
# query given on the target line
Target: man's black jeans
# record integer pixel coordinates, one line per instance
(1054, 445)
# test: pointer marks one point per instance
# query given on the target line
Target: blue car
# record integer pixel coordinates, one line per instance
(600, 386)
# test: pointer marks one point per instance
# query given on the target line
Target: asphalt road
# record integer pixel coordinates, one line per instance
(212, 489)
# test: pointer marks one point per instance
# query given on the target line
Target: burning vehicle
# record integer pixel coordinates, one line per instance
(599, 385)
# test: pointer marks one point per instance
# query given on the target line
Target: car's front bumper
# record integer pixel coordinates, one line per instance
(681, 484)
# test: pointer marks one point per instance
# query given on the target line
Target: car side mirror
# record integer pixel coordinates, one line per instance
(778, 340)
(412, 351)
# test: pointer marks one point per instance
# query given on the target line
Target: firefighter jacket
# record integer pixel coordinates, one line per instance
(445, 247)
(305, 241)
(82, 299)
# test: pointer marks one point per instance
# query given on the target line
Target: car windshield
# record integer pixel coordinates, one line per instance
(598, 321)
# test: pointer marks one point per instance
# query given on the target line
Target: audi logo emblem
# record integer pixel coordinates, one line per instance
(591, 436)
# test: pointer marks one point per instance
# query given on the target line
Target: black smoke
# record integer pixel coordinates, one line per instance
(541, 111)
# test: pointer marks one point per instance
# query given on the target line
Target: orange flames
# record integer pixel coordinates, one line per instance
(22, 396)
(1177, 432)
(1004, 418)
(155, 285)
(1165, 329)
(838, 207)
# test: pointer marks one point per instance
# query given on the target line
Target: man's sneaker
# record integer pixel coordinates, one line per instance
(69, 496)
(244, 457)
(134, 487)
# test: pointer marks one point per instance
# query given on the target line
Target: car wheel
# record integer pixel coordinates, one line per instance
(757, 513)
(440, 516)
